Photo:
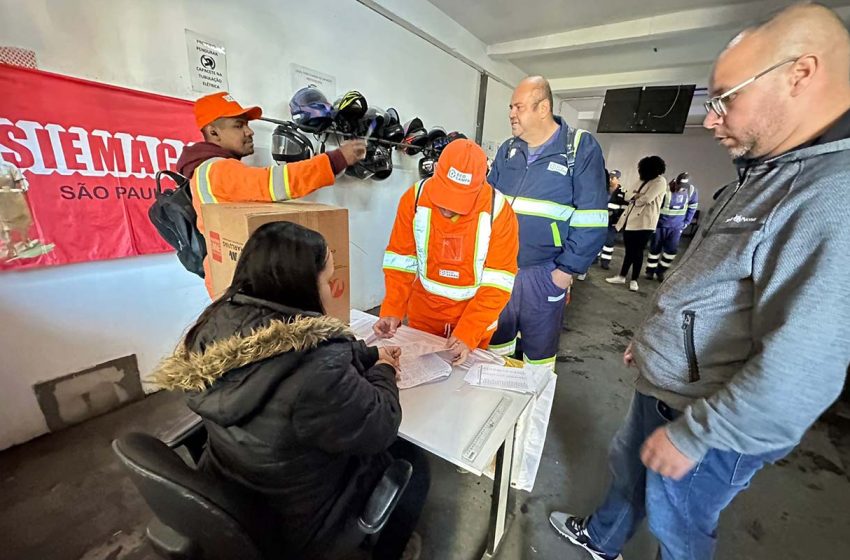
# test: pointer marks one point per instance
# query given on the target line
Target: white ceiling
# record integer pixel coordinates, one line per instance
(585, 47)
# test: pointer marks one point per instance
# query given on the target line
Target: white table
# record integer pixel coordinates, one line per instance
(443, 418)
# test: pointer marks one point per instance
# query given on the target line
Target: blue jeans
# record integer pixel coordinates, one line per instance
(682, 514)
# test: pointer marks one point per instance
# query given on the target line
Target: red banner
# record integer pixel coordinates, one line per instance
(77, 161)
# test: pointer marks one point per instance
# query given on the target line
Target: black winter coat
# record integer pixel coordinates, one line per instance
(296, 410)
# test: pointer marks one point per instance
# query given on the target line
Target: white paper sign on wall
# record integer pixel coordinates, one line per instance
(307, 77)
(207, 63)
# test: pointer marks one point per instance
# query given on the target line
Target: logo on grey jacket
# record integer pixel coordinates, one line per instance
(739, 219)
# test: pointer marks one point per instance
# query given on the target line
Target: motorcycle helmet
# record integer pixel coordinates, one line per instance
(311, 110)
(288, 144)
(393, 131)
(348, 110)
(415, 137)
(383, 163)
(376, 165)
(372, 123)
(427, 165)
(438, 145)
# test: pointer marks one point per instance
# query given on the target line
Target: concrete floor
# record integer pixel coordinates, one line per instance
(64, 496)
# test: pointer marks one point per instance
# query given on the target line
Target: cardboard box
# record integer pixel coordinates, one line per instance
(228, 227)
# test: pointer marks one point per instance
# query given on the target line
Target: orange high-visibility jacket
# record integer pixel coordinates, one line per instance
(456, 272)
(229, 180)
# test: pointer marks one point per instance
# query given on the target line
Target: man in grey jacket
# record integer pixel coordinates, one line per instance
(748, 341)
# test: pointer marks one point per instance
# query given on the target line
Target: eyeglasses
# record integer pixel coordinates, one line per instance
(717, 103)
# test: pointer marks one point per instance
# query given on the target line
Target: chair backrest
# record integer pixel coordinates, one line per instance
(216, 521)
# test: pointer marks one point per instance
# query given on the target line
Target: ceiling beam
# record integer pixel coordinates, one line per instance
(642, 29)
(694, 74)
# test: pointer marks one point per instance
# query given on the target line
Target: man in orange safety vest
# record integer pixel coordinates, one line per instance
(452, 256)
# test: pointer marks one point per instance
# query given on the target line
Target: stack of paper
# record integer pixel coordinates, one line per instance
(425, 368)
(520, 380)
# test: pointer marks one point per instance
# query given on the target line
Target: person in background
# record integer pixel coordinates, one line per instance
(678, 209)
(616, 206)
(452, 257)
(554, 178)
(640, 217)
(747, 344)
(297, 411)
(217, 175)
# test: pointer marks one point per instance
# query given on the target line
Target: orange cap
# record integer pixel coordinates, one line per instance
(216, 105)
(460, 174)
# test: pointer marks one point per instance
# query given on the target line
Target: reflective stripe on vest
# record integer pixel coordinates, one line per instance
(541, 208)
(402, 263)
(490, 277)
(202, 175)
(279, 183)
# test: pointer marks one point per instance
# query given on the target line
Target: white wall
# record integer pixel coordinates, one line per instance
(695, 151)
(60, 320)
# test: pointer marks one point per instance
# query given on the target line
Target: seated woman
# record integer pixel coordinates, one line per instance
(297, 410)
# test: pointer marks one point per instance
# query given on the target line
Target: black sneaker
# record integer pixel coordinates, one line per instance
(649, 275)
(606, 264)
(659, 276)
(575, 529)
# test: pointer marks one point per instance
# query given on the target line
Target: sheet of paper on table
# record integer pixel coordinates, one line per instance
(425, 368)
(521, 380)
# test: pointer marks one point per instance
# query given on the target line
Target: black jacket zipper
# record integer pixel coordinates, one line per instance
(690, 350)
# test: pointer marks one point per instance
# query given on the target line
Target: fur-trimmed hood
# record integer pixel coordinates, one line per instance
(197, 371)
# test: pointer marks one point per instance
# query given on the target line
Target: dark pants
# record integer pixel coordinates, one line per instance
(663, 247)
(682, 514)
(534, 314)
(635, 242)
(404, 518)
(608, 250)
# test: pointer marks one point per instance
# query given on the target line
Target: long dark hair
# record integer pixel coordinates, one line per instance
(280, 263)
(651, 167)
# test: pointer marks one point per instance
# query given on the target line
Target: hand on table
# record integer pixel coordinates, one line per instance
(458, 349)
(385, 327)
(389, 355)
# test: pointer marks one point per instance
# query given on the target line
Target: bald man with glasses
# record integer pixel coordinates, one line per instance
(747, 341)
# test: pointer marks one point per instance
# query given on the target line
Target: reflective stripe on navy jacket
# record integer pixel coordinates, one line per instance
(562, 212)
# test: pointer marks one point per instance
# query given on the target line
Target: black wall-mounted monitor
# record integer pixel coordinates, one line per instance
(661, 110)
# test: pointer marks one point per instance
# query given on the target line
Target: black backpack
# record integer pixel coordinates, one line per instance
(174, 217)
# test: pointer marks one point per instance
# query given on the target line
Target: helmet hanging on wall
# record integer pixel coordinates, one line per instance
(427, 165)
(288, 144)
(377, 164)
(311, 110)
(415, 137)
(393, 131)
(348, 110)
(372, 123)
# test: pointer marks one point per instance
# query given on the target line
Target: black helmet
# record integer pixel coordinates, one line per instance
(439, 144)
(377, 164)
(372, 123)
(348, 110)
(393, 131)
(427, 165)
(311, 110)
(683, 178)
(415, 137)
(383, 163)
(288, 144)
